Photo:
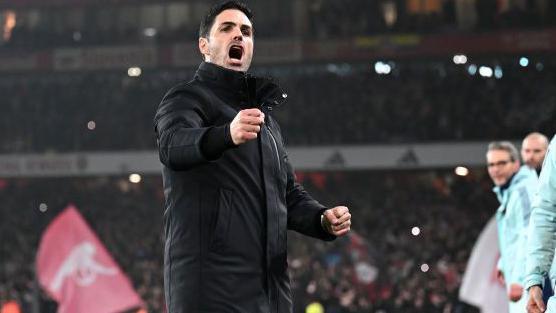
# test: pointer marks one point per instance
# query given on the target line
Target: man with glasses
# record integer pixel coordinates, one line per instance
(515, 187)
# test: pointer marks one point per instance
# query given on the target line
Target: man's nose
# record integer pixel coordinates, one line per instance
(238, 35)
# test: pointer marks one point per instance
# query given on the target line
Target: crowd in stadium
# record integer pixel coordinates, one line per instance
(126, 217)
(325, 19)
(382, 267)
(337, 19)
(422, 102)
(376, 269)
(428, 200)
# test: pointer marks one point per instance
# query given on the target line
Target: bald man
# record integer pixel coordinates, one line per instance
(533, 150)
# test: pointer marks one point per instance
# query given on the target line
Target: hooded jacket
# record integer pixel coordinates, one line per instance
(542, 228)
(512, 218)
(228, 208)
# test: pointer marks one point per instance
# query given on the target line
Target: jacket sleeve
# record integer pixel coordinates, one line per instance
(526, 196)
(181, 122)
(304, 212)
(542, 226)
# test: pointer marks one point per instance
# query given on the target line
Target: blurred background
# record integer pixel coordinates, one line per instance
(391, 106)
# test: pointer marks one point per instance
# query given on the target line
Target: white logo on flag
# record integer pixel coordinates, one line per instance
(81, 266)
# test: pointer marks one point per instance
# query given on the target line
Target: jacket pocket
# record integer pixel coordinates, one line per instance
(220, 233)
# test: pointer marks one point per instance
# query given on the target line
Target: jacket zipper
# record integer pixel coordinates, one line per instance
(275, 293)
(275, 147)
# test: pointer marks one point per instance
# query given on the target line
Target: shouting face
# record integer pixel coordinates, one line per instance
(230, 41)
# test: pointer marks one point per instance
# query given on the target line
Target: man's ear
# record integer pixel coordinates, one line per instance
(517, 165)
(203, 47)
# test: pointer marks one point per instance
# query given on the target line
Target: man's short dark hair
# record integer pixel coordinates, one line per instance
(208, 21)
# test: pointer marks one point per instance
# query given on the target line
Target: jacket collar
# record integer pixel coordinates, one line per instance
(523, 173)
(223, 77)
(251, 90)
(508, 183)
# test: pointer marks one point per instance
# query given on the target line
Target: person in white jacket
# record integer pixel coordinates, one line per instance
(515, 187)
(542, 236)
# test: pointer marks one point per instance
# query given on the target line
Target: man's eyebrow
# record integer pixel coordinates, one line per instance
(228, 23)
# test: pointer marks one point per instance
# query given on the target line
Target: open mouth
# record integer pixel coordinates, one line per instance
(236, 52)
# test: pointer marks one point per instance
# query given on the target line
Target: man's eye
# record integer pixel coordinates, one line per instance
(246, 32)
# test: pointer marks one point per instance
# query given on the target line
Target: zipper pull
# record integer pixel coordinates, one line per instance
(269, 106)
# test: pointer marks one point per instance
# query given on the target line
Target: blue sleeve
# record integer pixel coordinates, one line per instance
(542, 226)
(526, 195)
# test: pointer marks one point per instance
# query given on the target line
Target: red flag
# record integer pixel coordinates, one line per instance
(77, 271)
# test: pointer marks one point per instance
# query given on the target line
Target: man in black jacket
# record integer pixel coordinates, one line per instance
(230, 190)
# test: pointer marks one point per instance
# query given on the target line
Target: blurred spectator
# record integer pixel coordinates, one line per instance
(10, 307)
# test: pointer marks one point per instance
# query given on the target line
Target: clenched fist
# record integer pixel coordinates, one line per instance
(246, 125)
(337, 220)
(515, 292)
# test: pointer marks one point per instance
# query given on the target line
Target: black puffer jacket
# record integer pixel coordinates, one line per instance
(227, 216)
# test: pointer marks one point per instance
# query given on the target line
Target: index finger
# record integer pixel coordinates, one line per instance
(340, 210)
(253, 112)
(343, 218)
